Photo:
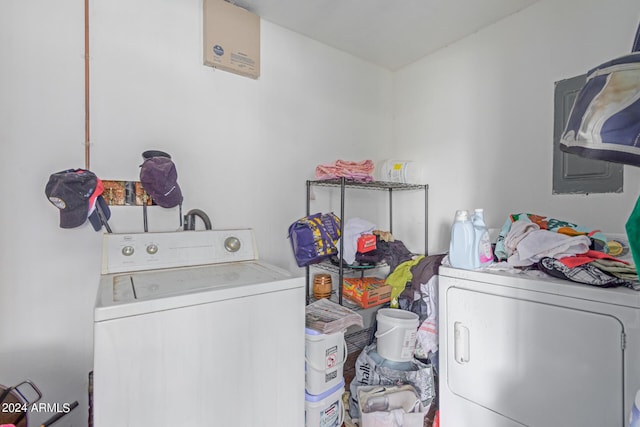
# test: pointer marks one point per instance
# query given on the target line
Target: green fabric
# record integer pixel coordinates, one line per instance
(617, 269)
(399, 278)
(633, 232)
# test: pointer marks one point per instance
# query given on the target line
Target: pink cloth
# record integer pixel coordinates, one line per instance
(358, 171)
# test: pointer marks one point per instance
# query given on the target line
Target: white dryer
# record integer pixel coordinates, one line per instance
(527, 351)
(190, 329)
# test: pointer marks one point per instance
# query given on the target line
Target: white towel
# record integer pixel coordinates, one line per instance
(518, 231)
(544, 243)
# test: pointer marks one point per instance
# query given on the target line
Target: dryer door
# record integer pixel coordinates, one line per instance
(535, 363)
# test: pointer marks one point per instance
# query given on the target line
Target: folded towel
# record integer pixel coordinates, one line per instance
(358, 171)
(539, 244)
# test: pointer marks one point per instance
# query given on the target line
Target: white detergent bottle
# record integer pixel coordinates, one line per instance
(634, 417)
(482, 246)
(462, 240)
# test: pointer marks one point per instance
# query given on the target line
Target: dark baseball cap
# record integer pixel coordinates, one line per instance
(159, 179)
(71, 191)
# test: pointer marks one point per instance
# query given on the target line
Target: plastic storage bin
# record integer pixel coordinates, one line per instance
(326, 409)
(325, 355)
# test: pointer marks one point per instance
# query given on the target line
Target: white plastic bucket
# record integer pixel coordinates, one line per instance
(325, 355)
(403, 171)
(326, 409)
(396, 334)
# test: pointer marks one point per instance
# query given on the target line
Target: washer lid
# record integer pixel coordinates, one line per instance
(164, 283)
(121, 295)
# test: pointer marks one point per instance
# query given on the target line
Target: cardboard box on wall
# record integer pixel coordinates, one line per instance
(231, 38)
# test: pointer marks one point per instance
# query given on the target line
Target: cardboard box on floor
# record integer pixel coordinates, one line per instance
(231, 38)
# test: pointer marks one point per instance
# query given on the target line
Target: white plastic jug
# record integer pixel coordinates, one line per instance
(403, 171)
(461, 253)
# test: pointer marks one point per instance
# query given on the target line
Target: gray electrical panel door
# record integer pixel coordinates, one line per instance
(573, 174)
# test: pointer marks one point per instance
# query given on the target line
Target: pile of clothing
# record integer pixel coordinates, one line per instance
(387, 248)
(564, 250)
(413, 278)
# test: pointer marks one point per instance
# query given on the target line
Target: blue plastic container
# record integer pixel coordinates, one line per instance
(461, 245)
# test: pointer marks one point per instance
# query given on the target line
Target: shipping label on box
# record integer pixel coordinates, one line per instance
(231, 38)
(367, 291)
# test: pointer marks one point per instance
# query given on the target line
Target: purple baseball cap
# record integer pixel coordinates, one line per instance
(159, 179)
(71, 192)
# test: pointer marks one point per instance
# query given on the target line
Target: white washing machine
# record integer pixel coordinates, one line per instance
(191, 329)
(526, 351)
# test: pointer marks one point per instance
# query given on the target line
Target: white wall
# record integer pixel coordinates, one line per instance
(243, 150)
(479, 114)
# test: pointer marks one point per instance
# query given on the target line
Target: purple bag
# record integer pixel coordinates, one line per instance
(314, 238)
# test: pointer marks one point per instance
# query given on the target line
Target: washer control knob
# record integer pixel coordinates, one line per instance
(232, 244)
(128, 250)
(152, 249)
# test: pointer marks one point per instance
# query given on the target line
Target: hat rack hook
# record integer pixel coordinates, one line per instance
(87, 139)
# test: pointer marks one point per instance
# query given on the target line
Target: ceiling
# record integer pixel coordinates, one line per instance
(388, 33)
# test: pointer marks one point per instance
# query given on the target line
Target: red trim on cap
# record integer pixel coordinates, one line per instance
(98, 191)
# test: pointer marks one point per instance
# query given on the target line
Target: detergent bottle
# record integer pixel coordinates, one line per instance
(483, 255)
(461, 252)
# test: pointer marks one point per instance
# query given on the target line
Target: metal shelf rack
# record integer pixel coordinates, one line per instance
(343, 184)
